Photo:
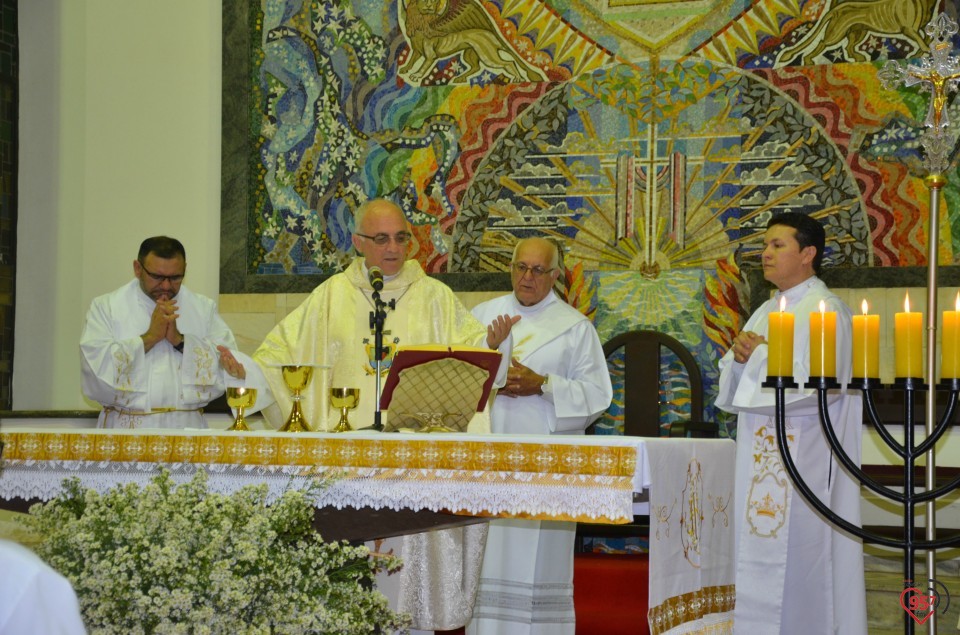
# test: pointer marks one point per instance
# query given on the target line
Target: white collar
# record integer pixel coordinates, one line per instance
(795, 293)
(533, 309)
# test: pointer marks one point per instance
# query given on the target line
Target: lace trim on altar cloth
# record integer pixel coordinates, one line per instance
(522, 494)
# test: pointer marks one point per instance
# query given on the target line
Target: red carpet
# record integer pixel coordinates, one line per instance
(610, 593)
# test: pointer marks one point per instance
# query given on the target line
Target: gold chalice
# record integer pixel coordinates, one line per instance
(296, 378)
(241, 398)
(346, 399)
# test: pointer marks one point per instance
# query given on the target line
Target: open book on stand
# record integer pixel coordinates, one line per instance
(437, 388)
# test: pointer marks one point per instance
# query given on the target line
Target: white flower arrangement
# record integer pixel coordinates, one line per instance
(180, 559)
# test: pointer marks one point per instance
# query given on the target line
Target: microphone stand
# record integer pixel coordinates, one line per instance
(377, 318)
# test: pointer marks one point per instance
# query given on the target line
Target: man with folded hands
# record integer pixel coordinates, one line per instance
(788, 557)
(148, 351)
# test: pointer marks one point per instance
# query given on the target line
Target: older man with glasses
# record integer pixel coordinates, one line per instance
(149, 349)
(558, 383)
(332, 328)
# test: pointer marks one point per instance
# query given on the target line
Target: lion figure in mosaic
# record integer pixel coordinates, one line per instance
(440, 29)
(855, 20)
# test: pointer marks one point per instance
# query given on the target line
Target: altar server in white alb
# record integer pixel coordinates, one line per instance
(149, 349)
(796, 573)
(558, 383)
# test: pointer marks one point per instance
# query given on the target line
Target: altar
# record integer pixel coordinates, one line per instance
(685, 484)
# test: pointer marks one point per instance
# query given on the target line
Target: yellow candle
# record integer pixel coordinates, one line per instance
(780, 343)
(908, 342)
(950, 344)
(823, 342)
(866, 344)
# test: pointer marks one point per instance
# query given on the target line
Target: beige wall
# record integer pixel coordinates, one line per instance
(119, 140)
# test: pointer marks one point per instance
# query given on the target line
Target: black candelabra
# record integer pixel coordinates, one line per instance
(909, 451)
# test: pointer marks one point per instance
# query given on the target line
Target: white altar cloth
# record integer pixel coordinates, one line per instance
(544, 477)
(582, 478)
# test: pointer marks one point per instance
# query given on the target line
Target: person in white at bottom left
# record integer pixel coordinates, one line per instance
(33, 597)
(558, 383)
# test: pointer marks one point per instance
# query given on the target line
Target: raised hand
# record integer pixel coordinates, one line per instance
(499, 329)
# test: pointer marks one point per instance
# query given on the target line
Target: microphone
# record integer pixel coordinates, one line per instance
(375, 276)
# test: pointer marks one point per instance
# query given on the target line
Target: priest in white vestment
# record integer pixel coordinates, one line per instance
(331, 329)
(148, 350)
(558, 383)
(795, 572)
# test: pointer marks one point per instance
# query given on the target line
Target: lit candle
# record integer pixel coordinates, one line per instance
(780, 343)
(866, 344)
(950, 344)
(823, 342)
(908, 344)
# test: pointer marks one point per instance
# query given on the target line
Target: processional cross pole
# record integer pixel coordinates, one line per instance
(939, 74)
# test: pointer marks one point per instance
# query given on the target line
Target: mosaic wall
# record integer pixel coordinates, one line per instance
(654, 138)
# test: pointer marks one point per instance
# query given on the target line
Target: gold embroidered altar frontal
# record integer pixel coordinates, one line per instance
(568, 478)
(555, 458)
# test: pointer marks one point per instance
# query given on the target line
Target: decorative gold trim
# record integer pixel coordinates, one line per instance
(177, 447)
(391, 459)
(692, 606)
(576, 518)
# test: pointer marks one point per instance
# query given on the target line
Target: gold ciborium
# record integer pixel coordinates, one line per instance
(241, 398)
(346, 399)
(296, 378)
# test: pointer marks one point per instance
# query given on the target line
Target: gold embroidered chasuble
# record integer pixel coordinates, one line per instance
(332, 330)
